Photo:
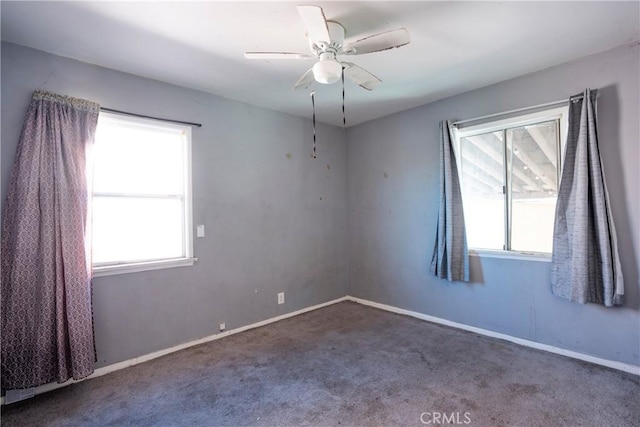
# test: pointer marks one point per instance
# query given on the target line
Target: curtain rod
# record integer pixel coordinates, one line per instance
(111, 110)
(517, 110)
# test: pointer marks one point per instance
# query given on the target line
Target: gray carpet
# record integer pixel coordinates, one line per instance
(347, 365)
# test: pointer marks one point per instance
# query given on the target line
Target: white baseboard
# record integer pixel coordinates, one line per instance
(632, 369)
(141, 359)
(131, 362)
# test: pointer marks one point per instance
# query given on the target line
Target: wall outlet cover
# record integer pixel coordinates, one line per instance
(281, 298)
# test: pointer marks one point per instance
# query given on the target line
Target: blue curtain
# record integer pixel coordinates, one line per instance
(450, 254)
(585, 265)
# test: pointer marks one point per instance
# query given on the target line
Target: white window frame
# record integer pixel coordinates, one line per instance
(188, 259)
(561, 114)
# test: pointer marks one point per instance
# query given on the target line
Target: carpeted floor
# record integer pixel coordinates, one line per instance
(347, 365)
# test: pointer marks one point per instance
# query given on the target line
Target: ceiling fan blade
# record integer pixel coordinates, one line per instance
(378, 42)
(360, 76)
(315, 23)
(276, 55)
(305, 81)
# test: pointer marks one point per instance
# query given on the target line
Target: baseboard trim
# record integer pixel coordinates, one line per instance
(145, 358)
(625, 367)
(632, 369)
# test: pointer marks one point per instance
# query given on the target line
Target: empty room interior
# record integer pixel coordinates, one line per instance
(358, 213)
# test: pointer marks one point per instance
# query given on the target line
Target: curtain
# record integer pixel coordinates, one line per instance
(47, 325)
(585, 266)
(450, 254)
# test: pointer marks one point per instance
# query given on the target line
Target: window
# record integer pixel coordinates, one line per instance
(141, 210)
(509, 175)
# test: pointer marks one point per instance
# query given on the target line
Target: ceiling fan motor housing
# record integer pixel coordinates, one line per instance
(328, 70)
(336, 34)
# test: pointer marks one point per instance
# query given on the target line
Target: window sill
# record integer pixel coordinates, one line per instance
(109, 270)
(520, 256)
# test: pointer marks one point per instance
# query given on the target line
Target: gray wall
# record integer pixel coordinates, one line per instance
(276, 223)
(273, 223)
(393, 181)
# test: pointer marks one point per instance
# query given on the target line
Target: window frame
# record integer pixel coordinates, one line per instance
(107, 269)
(558, 114)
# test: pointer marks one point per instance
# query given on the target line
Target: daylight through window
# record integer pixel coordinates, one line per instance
(509, 174)
(141, 210)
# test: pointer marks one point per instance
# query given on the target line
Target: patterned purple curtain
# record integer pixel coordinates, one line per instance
(47, 325)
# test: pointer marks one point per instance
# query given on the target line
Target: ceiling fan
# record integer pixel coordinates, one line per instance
(326, 41)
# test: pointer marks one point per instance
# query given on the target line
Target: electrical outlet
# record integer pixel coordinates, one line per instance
(281, 298)
(223, 326)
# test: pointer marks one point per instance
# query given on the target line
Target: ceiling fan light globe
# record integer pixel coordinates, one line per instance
(327, 71)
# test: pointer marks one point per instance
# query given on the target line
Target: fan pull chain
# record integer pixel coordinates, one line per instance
(313, 106)
(344, 118)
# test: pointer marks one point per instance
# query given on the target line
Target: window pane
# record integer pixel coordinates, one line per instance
(533, 166)
(132, 229)
(482, 178)
(137, 159)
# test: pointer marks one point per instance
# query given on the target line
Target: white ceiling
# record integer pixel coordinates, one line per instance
(455, 46)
